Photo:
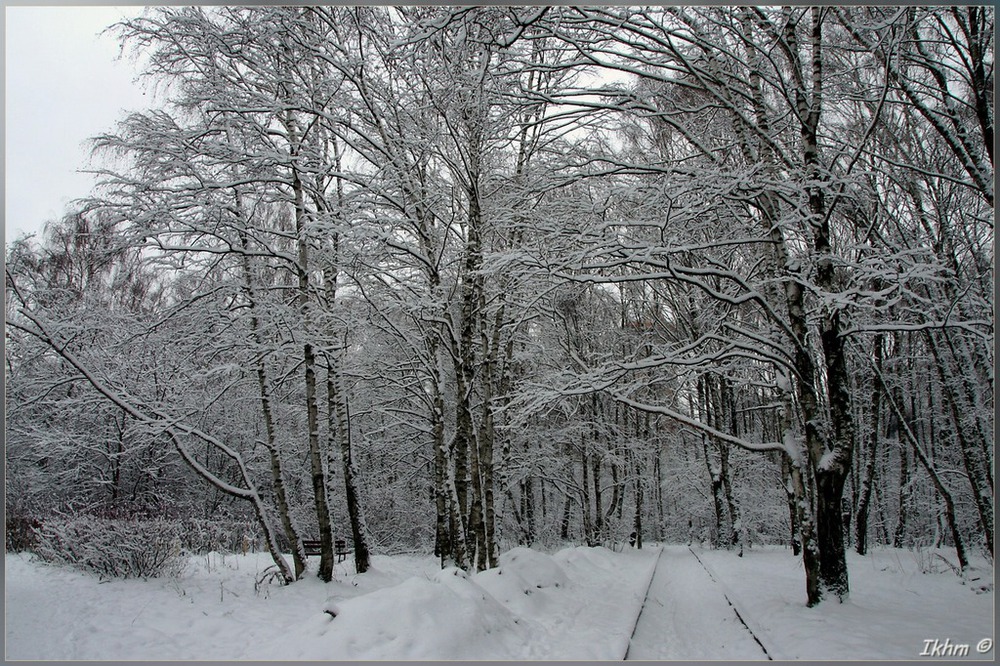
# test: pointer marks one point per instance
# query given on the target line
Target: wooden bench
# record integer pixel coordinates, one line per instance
(314, 547)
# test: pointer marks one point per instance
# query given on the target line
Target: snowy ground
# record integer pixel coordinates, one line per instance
(893, 607)
(579, 604)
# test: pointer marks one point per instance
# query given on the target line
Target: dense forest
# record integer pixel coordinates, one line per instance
(466, 278)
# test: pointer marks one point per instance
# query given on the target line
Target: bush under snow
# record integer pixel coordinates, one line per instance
(111, 548)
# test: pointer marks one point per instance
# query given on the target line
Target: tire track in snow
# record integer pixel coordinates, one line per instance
(687, 615)
(645, 600)
(733, 606)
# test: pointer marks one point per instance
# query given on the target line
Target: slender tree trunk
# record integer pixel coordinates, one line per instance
(903, 504)
(793, 512)
(456, 515)
(868, 475)
(661, 526)
(339, 425)
(588, 531)
(598, 499)
(939, 485)
(529, 509)
(477, 528)
(977, 471)
(277, 478)
(637, 523)
(464, 360)
(309, 363)
(728, 405)
(443, 532)
(564, 526)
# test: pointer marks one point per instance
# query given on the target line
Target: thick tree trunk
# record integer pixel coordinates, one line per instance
(464, 361)
(459, 471)
(714, 470)
(456, 519)
(489, 499)
(830, 532)
(832, 472)
(735, 539)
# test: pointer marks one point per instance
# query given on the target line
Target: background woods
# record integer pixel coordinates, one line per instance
(466, 278)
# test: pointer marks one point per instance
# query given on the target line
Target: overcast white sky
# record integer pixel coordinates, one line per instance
(64, 84)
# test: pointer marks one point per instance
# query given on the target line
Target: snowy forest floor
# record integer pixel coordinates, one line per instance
(580, 603)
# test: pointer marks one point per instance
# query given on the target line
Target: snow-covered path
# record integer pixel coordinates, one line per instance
(686, 616)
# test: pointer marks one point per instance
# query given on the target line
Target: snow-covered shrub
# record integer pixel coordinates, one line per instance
(219, 536)
(112, 548)
(21, 533)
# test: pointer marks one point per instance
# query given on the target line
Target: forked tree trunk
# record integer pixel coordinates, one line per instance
(318, 473)
(339, 426)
